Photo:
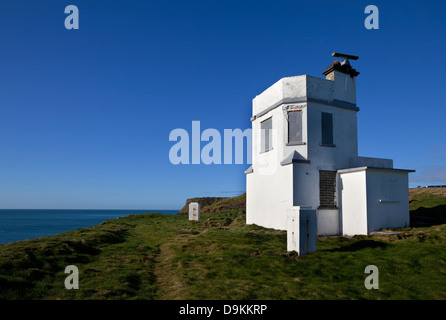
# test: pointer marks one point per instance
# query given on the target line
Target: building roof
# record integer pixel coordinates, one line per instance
(373, 168)
(294, 157)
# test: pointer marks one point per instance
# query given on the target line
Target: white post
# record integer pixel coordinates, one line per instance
(293, 230)
(194, 211)
(301, 230)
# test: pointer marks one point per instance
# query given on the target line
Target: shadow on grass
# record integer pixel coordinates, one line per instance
(427, 217)
(359, 245)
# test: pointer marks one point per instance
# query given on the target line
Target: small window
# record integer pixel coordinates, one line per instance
(327, 129)
(266, 135)
(295, 126)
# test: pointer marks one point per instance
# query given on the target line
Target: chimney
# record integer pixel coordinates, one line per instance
(343, 66)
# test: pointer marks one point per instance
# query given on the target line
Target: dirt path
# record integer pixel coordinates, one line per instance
(170, 276)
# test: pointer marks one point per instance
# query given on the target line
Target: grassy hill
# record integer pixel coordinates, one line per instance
(426, 197)
(155, 256)
(206, 201)
(428, 206)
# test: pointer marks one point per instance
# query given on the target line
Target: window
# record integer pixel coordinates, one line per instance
(266, 135)
(295, 127)
(327, 189)
(327, 129)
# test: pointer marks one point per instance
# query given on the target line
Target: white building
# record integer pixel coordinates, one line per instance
(305, 154)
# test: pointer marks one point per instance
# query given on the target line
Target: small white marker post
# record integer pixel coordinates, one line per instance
(301, 230)
(194, 211)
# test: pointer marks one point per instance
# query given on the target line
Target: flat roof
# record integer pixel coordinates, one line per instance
(373, 168)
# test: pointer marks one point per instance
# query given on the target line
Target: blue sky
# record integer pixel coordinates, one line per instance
(85, 115)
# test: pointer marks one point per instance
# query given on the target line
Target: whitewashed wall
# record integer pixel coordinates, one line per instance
(268, 198)
(387, 199)
(269, 186)
(328, 222)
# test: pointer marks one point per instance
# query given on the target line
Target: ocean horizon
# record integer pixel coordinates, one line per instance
(25, 224)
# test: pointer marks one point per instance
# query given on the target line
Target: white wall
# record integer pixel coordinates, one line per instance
(343, 88)
(328, 222)
(305, 185)
(289, 87)
(269, 197)
(371, 162)
(270, 185)
(387, 199)
(345, 137)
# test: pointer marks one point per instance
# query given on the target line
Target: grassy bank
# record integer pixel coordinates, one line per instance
(154, 256)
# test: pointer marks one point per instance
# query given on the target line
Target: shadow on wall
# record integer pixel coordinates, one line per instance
(426, 217)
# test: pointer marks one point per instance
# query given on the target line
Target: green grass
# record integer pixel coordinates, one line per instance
(154, 256)
(428, 206)
(426, 197)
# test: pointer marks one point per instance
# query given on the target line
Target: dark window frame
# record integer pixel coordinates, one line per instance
(297, 131)
(327, 130)
(266, 143)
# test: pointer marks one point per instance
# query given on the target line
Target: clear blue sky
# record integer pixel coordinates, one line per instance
(85, 115)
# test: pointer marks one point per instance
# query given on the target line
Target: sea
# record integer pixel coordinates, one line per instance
(23, 224)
